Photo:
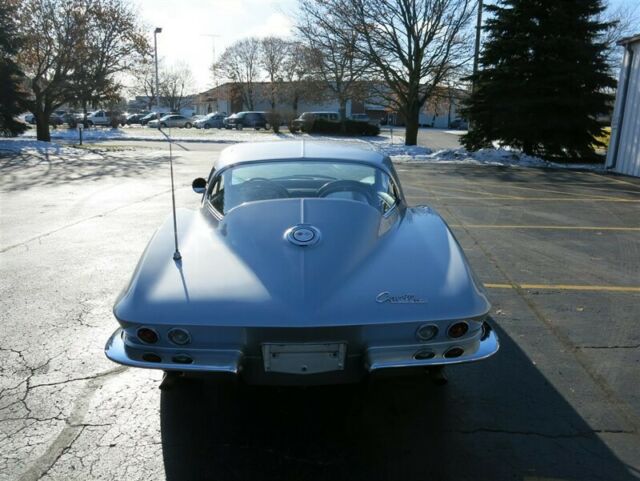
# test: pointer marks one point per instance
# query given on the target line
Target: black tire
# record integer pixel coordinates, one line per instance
(89, 123)
(163, 125)
(207, 126)
(187, 125)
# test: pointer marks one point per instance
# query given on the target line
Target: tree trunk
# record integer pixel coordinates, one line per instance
(42, 126)
(413, 123)
(343, 114)
(343, 109)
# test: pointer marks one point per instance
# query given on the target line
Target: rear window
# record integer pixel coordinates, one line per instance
(302, 179)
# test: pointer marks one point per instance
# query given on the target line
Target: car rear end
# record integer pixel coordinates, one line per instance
(313, 355)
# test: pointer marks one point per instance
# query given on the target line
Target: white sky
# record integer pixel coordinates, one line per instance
(185, 24)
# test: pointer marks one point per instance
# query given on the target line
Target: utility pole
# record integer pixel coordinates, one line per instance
(213, 65)
(476, 54)
(155, 47)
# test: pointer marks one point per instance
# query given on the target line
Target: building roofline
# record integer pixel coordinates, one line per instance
(627, 40)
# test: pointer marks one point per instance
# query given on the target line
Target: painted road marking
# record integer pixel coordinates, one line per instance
(535, 189)
(550, 227)
(564, 287)
(541, 199)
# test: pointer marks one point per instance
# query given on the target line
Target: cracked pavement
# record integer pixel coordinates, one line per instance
(559, 401)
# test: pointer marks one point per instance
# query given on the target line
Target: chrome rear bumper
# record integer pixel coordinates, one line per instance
(218, 360)
(390, 357)
(231, 361)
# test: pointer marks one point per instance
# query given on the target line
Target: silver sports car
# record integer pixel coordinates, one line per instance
(303, 265)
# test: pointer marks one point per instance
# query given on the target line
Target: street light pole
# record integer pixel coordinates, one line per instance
(155, 47)
(476, 54)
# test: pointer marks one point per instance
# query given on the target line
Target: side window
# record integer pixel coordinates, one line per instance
(388, 195)
(217, 195)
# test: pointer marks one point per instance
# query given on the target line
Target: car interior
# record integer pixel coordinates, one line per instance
(359, 183)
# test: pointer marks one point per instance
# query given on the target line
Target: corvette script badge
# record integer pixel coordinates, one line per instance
(400, 299)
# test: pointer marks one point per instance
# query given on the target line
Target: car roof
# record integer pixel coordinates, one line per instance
(296, 150)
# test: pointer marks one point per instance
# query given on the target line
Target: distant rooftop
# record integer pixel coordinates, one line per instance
(632, 39)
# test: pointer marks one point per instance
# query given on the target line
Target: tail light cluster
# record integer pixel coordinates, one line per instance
(177, 335)
(426, 332)
(458, 329)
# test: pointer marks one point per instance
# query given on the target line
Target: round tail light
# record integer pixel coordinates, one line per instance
(182, 359)
(422, 355)
(179, 336)
(427, 332)
(458, 329)
(454, 352)
(147, 335)
(151, 357)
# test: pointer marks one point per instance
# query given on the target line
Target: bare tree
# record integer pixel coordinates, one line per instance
(274, 53)
(240, 63)
(144, 81)
(332, 49)
(177, 83)
(624, 21)
(300, 82)
(413, 46)
(72, 51)
(113, 42)
(50, 31)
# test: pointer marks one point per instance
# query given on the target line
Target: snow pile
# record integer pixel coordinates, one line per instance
(179, 135)
(498, 156)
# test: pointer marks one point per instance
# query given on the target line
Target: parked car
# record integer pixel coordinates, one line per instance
(256, 120)
(365, 118)
(54, 119)
(172, 120)
(214, 119)
(135, 118)
(305, 122)
(459, 124)
(150, 116)
(303, 264)
(101, 118)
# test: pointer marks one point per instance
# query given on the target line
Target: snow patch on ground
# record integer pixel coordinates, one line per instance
(178, 135)
(30, 146)
(497, 156)
(392, 146)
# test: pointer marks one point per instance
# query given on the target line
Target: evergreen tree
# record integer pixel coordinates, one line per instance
(543, 78)
(10, 74)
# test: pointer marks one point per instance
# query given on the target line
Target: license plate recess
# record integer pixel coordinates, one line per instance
(304, 358)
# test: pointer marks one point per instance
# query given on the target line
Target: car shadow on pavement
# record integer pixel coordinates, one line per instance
(495, 420)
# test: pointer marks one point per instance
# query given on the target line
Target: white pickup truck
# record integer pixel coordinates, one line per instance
(99, 117)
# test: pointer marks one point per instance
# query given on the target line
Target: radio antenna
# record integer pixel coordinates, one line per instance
(176, 255)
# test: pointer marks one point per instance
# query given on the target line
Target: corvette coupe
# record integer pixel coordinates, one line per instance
(302, 265)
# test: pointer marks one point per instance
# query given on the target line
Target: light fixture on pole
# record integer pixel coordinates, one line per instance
(155, 47)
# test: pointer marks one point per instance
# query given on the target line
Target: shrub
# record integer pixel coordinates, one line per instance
(274, 120)
(348, 128)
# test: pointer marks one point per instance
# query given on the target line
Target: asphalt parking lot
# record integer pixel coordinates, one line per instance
(559, 252)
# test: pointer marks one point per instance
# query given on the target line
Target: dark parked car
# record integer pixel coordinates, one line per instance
(150, 116)
(257, 120)
(135, 118)
(214, 119)
(305, 122)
